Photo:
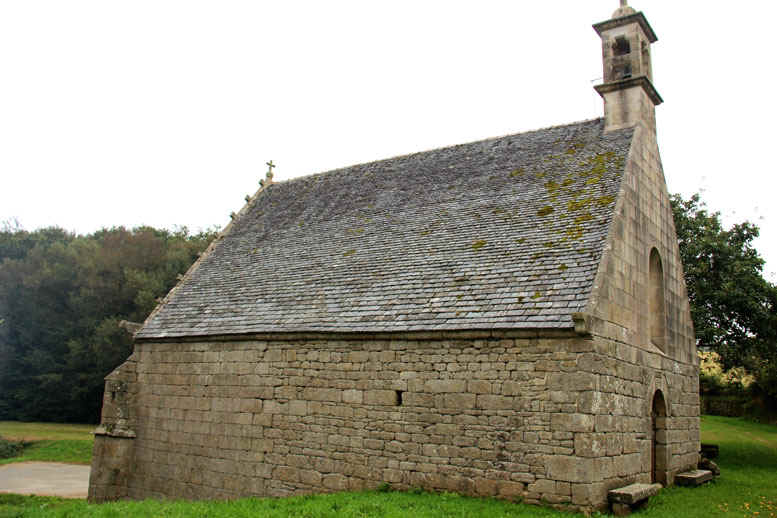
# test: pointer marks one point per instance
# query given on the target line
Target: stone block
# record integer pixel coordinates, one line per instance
(514, 388)
(286, 474)
(380, 397)
(488, 402)
(335, 482)
(594, 402)
(627, 465)
(479, 387)
(569, 469)
(437, 386)
(511, 490)
(310, 477)
(605, 423)
(322, 394)
(486, 487)
(298, 407)
(459, 401)
(542, 486)
(590, 444)
(353, 396)
(392, 476)
(572, 422)
(416, 399)
(572, 381)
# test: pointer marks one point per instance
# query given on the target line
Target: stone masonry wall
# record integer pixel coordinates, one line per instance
(112, 454)
(547, 420)
(620, 303)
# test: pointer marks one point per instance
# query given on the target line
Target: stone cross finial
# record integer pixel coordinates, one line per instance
(269, 174)
(269, 171)
(624, 3)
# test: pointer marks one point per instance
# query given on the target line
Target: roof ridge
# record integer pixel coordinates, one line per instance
(303, 177)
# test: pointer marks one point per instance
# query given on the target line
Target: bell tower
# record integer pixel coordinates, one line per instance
(628, 92)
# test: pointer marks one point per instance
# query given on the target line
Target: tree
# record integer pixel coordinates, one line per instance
(734, 308)
(62, 297)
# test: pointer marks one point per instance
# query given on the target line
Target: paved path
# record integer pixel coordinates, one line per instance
(45, 479)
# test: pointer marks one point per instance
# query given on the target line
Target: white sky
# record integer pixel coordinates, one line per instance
(164, 112)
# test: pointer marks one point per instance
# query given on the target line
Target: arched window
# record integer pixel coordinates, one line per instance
(656, 301)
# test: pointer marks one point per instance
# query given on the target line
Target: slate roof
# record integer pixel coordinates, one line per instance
(504, 233)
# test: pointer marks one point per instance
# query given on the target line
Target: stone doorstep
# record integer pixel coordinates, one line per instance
(694, 477)
(625, 499)
(633, 494)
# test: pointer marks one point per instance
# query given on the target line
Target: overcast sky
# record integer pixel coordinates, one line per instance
(164, 112)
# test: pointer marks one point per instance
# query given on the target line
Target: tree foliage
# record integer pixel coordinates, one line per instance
(62, 297)
(734, 308)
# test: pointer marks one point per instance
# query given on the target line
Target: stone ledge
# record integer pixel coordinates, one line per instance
(633, 494)
(625, 499)
(694, 477)
(116, 431)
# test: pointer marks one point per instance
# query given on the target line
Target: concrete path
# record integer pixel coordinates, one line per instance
(45, 479)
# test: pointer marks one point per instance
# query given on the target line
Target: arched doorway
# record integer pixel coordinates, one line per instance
(659, 448)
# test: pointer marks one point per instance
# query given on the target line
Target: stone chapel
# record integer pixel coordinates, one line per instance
(501, 318)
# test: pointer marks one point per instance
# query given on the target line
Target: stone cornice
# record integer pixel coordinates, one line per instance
(625, 20)
(642, 81)
(409, 335)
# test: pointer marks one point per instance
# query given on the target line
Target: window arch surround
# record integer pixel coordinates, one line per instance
(657, 301)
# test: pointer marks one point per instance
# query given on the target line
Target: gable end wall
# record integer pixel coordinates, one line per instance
(620, 304)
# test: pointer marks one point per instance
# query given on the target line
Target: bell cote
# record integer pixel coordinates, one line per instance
(629, 95)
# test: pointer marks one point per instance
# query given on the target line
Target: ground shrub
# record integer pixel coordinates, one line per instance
(10, 449)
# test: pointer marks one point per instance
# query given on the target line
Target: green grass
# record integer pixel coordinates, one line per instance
(50, 442)
(341, 505)
(747, 488)
(748, 485)
(16, 430)
(72, 452)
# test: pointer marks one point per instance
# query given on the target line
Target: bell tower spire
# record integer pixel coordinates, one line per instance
(629, 95)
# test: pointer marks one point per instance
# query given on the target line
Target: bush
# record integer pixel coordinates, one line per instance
(713, 380)
(10, 449)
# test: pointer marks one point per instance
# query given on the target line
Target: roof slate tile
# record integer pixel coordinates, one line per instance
(502, 233)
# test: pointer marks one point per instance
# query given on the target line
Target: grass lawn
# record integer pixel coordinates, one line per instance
(50, 442)
(18, 431)
(747, 488)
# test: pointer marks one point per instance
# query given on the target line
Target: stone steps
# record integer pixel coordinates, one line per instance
(695, 477)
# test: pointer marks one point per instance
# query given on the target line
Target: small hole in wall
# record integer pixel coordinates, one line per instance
(398, 401)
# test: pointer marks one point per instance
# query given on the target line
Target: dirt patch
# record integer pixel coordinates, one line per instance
(45, 479)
